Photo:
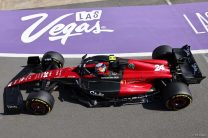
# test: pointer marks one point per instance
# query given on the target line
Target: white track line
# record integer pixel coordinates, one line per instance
(169, 2)
(145, 54)
(79, 55)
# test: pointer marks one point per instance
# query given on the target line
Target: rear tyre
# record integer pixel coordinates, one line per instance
(162, 52)
(39, 103)
(52, 60)
(176, 96)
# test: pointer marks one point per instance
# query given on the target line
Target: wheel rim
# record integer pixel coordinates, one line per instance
(38, 107)
(178, 102)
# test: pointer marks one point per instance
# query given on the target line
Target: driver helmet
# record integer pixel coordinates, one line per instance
(100, 68)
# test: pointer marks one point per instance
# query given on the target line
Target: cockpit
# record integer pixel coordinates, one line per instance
(104, 67)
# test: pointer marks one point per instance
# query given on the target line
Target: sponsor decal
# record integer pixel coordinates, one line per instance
(195, 68)
(110, 77)
(45, 74)
(131, 66)
(96, 93)
(57, 30)
(12, 107)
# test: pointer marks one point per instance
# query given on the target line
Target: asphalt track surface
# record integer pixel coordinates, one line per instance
(71, 120)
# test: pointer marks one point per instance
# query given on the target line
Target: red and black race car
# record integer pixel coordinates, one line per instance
(105, 81)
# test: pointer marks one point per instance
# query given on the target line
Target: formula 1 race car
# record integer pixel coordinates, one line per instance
(105, 81)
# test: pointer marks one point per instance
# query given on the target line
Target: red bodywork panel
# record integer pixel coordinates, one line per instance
(137, 77)
(145, 70)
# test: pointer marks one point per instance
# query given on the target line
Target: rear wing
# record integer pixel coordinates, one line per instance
(187, 65)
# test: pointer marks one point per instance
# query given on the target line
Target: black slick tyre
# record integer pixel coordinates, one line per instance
(39, 103)
(176, 96)
(162, 52)
(52, 60)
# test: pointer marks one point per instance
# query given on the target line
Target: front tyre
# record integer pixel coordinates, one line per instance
(39, 103)
(52, 60)
(176, 96)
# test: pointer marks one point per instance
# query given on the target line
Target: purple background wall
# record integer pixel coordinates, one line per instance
(125, 29)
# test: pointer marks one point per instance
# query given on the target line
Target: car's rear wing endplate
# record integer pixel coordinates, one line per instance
(187, 64)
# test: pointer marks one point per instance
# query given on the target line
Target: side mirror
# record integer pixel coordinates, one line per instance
(84, 56)
(35, 60)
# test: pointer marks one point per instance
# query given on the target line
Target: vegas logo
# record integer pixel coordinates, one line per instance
(57, 30)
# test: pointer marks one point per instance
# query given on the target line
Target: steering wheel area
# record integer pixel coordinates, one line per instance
(86, 70)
